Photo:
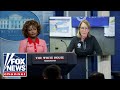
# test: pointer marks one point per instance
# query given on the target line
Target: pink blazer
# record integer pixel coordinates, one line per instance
(26, 47)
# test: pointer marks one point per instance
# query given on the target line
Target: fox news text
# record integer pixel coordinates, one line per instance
(15, 65)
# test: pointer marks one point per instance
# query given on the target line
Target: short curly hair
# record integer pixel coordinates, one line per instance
(28, 24)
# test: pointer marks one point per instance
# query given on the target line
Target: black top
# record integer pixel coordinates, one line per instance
(90, 46)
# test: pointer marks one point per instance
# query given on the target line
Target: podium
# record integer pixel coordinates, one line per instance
(85, 65)
(37, 62)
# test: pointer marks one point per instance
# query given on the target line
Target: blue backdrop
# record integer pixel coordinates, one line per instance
(94, 21)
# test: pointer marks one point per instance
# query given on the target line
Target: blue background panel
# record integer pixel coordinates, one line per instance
(94, 21)
(116, 58)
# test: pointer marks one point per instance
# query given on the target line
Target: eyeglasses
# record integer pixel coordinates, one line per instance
(84, 28)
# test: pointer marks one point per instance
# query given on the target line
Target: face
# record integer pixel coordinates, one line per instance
(84, 30)
(32, 32)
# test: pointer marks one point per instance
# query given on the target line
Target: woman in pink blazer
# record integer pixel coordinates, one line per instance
(32, 44)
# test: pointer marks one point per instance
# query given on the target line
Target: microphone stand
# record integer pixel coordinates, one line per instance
(68, 75)
(64, 43)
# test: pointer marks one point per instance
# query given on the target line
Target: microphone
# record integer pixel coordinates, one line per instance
(64, 43)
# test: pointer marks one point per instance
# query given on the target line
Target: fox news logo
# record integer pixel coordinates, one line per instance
(15, 65)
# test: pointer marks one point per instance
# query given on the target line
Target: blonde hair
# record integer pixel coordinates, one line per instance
(87, 23)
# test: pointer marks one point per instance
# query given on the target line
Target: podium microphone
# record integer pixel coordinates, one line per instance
(64, 43)
(68, 75)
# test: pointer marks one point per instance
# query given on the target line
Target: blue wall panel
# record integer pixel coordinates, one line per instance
(116, 58)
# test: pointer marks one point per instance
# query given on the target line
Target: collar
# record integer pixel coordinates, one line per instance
(30, 40)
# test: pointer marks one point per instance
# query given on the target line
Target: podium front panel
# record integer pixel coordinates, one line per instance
(37, 62)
